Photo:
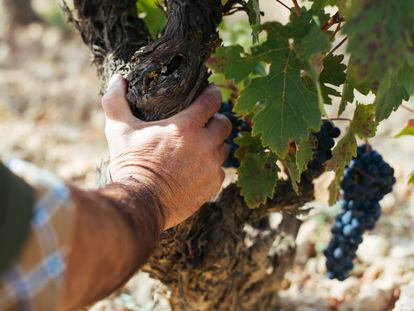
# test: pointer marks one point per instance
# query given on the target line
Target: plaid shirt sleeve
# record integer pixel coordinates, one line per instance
(35, 280)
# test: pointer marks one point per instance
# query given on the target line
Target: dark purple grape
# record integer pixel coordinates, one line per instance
(239, 125)
(365, 182)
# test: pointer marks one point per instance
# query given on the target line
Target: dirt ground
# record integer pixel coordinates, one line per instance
(50, 115)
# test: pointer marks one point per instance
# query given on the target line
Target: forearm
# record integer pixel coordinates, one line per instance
(115, 231)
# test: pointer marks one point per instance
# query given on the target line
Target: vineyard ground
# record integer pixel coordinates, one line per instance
(50, 115)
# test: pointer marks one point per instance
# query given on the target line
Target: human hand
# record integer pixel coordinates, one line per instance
(179, 160)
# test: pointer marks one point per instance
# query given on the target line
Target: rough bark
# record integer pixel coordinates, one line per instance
(214, 260)
(18, 13)
(218, 261)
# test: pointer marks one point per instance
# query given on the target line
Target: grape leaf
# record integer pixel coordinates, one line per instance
(304, 154)
(408, 130)
(314, 42)
(320, 4)
(379, 37)
(253, 11)
(284, 108)
(350, 85)
(344, 151)
(363, 125)
(333, 73)
(309, 48)
(233, 62)
(290, 110)
(333, 70)
(293, 172)
(411, 181)
(390, 95)
(154, 18)
(247, 144)
(257, 177)
(297, 163)
(406, 78)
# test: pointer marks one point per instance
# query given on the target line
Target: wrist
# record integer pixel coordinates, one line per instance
(141, 207)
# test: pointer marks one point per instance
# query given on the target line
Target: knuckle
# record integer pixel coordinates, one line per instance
(211, 101)
(109, 104)
(185, 125)
(228, 127)
(107, 100)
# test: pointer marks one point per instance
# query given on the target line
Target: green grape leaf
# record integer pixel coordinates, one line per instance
(247, 144)
(342, 154)
(257, 175)
(314, 42)
(411, 181)
(408, 130)
(282, 106)
(343, 6)
(333, 73)
(363, 125)
(347, 96)
(233, 63)
(390, 95)
(257, 178)
(293, 172)
(333, 70)
(320, 4)
(297, 163)
(154, 18)
(304, 155)
(380, 36)
(290, 109)
(309, 48)
(406, 78)
(253, 11)
(350, 85)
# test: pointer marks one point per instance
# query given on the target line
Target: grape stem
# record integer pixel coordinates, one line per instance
(297, 7)
(338, 45)
(407, 108)
(335, 19)
(338, 28)
(287, 7)
(340, 119)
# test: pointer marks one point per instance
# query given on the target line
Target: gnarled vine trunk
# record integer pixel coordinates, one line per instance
(214, 260)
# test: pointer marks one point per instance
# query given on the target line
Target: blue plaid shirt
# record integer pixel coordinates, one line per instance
(35, 280)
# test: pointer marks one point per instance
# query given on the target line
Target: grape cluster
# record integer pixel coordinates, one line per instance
(367, 179)
(238, 126)
(322, 151)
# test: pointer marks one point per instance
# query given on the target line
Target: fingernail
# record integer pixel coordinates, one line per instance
(212, 88)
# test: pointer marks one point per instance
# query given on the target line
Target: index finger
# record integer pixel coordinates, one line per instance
(204, 107)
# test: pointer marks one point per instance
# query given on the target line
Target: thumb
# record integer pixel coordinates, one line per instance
(114, 101)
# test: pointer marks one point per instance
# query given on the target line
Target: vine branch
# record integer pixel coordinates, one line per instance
(284, 5)
(338, 45)
(335, 19)
(340, 119)
(297, 7)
